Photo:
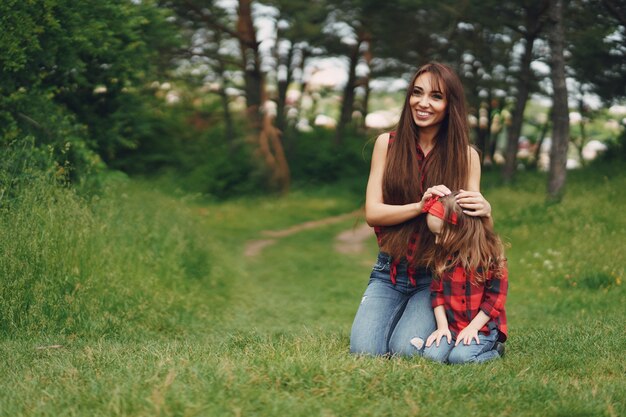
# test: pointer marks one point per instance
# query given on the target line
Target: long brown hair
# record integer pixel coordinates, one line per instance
(448, 161)
(471, 243)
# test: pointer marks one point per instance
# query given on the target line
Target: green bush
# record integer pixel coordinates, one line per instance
(187, 146)
(116, 263)
(315, 158)
(616, 148)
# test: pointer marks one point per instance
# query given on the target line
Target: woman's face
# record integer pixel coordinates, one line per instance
(428, 104)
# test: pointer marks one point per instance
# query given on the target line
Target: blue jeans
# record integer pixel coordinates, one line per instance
(474, 352)
(391, 315)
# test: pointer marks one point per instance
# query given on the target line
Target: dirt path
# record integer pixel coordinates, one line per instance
(348, 241)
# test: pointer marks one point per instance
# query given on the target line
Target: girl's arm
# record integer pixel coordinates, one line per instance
(496, 290)
(472, 201)
(438, 302)
(377, 213)
(442, 327)
(471, 331)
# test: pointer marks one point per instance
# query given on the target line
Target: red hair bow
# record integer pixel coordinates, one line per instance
(435, 207)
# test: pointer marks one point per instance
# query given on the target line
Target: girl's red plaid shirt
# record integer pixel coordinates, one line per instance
(462, 299)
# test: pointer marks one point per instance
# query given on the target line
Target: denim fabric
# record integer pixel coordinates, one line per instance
(391, 315)
(474, 352)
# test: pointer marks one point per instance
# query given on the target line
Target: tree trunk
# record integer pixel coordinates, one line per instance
(560, 114)
(347, 104)
(271, 149)
(488, 136)
(250, 60)
(304, 55)
(542, 136)
(483, 131)
(583, 134)
(517, 118)
(228, 119)
(493, 143)
(264, 134)
(283, 85)
(367, 55)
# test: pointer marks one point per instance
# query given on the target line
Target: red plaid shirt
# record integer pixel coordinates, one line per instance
(462, 300)
(422, 161)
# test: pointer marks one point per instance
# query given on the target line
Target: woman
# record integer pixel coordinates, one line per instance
(428, 152)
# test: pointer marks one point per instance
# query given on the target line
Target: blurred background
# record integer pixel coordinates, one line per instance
(228, 98)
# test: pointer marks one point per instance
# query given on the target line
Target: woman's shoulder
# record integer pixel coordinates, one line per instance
(383, 141)
(473, 153)
(385, 137)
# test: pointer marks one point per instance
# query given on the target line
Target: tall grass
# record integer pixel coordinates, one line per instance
(115, 264)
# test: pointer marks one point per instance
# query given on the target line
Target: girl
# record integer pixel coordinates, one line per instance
(429, 148)
(470, 289)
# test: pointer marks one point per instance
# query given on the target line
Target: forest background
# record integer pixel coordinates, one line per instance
(147, 144)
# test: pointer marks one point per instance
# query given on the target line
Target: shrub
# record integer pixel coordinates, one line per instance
(314, 157)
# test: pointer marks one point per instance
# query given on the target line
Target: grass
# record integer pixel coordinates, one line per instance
(156, 312)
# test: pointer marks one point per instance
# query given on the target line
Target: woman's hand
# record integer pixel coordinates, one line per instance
(435, 191)
(437, 335)
(473, 203)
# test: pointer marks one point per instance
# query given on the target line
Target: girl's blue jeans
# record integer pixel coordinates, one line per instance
(389, 315)
(474, 352)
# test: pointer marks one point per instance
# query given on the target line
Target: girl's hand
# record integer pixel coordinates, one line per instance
(467, 335)
(473, 203)
(435, 191)
(437, 335)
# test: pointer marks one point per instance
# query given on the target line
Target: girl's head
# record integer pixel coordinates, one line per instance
(463, 240)
(447, 162)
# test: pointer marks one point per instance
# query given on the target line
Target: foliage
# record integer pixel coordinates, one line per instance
(315, 158)
(188, 146)
(70, 70)
(616, 148)
(598, 49)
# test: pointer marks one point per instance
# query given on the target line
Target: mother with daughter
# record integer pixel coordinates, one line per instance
(424, 229)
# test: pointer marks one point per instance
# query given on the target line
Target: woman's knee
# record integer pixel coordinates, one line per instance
(401, 345)
(366, 340)
(363, 346)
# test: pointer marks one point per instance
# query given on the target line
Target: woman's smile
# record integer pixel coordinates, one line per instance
(423, 114)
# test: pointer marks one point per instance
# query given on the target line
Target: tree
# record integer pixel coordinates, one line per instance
(263, 136)
(597, 44)
(72, 72)
(208, 51)
(560, 112)
(298, 34)
(532, 16)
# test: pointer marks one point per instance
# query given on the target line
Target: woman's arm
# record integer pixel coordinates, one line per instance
(472, 201)
(377, 213)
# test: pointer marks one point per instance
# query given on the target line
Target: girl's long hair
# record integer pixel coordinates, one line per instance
(448, 162)
(471, 243)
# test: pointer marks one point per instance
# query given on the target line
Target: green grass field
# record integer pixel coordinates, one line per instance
(141, 303)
